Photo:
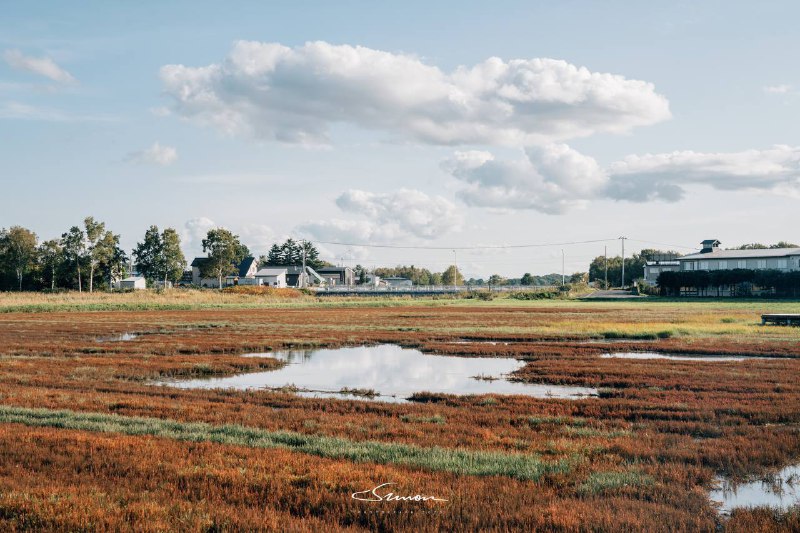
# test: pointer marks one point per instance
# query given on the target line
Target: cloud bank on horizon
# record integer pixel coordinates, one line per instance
(556, 178)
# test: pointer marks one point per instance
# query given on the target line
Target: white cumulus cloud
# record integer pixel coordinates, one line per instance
(43, 66)
(663, 176)
(156, 155)
(270, 91)
(555, 178)
(257, 237)
(552, 179)
(194, 231)
(410, 210)
(387, 217)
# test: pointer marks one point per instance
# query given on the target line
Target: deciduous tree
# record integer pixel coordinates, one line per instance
(100, 246)
(73, 243)
(18, 247)
(51, 256)
(147, 253)
(172, 261)
(224, 252)
(452, 276)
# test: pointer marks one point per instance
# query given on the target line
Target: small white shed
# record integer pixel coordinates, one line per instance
(133, 282)
(272, 277)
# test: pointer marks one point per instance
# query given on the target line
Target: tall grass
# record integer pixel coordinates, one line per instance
(461, 462)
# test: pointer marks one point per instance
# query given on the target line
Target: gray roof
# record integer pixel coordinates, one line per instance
(271, 271)
(743, 254)
(242, 267)
(332, 269)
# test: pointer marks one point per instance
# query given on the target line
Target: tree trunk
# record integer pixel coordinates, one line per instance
(19, 277)
(53, 279)
(91, 277)
(166, 273)
(80, 287)
(220, 280)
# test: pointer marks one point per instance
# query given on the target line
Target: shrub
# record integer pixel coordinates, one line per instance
(254, 290)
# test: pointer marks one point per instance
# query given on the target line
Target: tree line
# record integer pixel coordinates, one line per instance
(422, 276)
(88, 256)
(85, 257)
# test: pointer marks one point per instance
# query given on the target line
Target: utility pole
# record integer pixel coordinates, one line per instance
(303, 273)
(623, 261)
(605, 255)
(455, 274)
(563, 273)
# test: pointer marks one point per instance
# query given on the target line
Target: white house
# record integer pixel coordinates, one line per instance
(374, 281)
(398, 282)
(711, 257)
(133, 282)
(272, 277)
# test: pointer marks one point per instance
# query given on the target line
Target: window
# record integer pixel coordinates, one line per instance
(762, 263)
(689, 265)
(783, 263)
(703, 265)
(741, 263)
(654, 270)
(723, 265)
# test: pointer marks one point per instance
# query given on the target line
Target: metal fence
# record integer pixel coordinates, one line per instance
(432, 289)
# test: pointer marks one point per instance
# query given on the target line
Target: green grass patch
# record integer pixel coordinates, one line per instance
(536, 421)
(461, 462)
(594, 432)
(605, 482)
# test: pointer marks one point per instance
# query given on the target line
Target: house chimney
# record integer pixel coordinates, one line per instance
(709, 246)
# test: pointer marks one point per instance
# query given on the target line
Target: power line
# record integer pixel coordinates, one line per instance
(663, 244)
(487, 247)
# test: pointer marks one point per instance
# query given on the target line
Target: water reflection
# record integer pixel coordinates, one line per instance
(781, 492)
(393, 372)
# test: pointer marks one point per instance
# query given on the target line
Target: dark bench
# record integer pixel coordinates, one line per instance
(792, 319)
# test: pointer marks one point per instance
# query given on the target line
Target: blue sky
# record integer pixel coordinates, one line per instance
(92, 121)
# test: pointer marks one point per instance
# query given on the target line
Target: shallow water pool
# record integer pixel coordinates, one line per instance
(392, 372)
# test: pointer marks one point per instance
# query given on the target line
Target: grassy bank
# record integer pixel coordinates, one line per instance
(189, 299)
(461, 462)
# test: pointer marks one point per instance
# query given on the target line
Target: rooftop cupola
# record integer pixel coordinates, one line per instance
(710, 245)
